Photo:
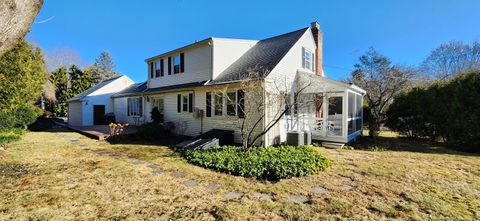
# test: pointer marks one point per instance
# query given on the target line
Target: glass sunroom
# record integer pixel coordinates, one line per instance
(331, 110)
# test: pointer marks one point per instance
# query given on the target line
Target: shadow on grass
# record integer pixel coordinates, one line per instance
(168, 140)
(406, 144)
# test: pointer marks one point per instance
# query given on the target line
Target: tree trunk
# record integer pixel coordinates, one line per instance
(16, 17)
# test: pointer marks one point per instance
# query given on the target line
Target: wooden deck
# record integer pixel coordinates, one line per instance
(100, 132)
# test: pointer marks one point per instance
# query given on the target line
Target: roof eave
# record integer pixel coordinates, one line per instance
(179, 49)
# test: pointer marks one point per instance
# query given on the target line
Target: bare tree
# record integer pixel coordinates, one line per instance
(452, 58)
(382, 81)
(16, 17)
(63, 57)
(262, 104)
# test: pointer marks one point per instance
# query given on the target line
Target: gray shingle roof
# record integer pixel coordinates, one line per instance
(134, 89)
(261, 58)
(90, 90)
(177, 86)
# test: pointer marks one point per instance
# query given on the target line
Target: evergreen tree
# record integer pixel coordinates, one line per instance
(79, 81)
(59, 79)
(22, 76)
(103, 68)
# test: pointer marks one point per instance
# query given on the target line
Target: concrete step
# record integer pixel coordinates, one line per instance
(202, 144)
(332, 145)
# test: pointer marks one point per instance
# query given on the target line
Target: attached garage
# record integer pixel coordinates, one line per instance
(89, 107)
(75, 110)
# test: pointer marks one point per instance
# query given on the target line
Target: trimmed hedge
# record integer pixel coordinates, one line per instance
(271, 163)
(447, 109)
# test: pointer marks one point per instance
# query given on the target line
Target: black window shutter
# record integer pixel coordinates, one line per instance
(169, 65)
(128, 106)
(182, 63)
(161, 67)
(140, 107)
(190, 102)
(151, 70)
(241, 103)
(209, 105)
(179, 103)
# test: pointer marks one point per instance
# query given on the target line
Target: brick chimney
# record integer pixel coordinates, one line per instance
(317, 35)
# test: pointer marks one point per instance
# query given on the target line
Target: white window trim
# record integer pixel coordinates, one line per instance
(179, 64)
(134, 109)
(311, 61)
(214, 104)
(234, 103)
(157, 98)
(185, 102)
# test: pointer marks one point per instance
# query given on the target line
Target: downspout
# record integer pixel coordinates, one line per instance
(265, 114)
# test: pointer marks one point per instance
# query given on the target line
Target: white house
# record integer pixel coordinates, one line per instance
(89, 107)
(198, 88)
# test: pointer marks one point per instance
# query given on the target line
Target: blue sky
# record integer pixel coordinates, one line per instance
(406, 30)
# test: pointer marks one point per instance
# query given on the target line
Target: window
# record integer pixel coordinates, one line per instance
(351, 112)
(176, 64)
(231, 103)
(307, 61)
(218, 104)
(185, 102)
(355, 115)
(334, 125)
(157, 68)
(134, 106)
(157, 102)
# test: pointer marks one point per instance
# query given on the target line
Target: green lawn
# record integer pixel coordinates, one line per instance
(63, 175)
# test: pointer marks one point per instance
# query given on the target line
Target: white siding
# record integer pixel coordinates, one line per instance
(80, 113)
(286, 69)
(120, 107)
(184, 122)
(283, 75)
(102, 96)
(75, 113)
(198, 67)
(226, 51)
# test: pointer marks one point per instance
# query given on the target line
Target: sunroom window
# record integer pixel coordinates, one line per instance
(355, 113)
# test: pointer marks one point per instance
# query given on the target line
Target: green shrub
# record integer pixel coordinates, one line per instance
(25, 115)
(156, 116)
(271, 163)
(447, 109)
(7, 120)
(7, 136)
(21, 116)
(150, 131)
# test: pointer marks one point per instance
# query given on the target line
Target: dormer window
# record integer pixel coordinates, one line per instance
(307, 59)
(178, 63)
(157, 68)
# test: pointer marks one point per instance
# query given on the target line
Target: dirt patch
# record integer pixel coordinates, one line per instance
(14, 170)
